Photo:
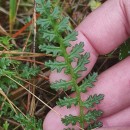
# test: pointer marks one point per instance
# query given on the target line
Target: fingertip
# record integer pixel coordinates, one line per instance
(53, 120)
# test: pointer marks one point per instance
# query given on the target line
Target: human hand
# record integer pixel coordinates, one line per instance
(103, 31)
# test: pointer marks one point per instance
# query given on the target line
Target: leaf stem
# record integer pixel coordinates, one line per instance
(60, 40)
(73, 75)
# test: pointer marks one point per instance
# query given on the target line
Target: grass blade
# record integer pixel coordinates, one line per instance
(12, 14)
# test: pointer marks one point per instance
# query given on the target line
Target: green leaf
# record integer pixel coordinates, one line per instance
(6, 72)
(70, 37)
(76, 50)
(55, 33)
(63, 25)
(44, 23)
(70, 120)
(5, 40)
(81, 63)
(68, 102)
(55, 13)
(6, 110)
(41, 2)
(92, 100)
(50, 49)
(88, 83)
(92, 115)
(95, 125)
(28, 72)
(48, 4)
(49, 35)
(29, 124)
(43, 7)
(40, 6)
(6, 125)
(62, 84)
(124, 50)
(4, 63)
(55, 65)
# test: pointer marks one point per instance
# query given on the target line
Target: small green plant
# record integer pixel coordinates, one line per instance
(14, 69)
(56, 35)
(27, 122)
(6, 125)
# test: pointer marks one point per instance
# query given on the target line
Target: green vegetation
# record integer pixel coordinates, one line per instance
(57, 35)
(16, 70)
(25, 93)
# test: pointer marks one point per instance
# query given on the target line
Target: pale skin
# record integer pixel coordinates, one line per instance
(102, 32)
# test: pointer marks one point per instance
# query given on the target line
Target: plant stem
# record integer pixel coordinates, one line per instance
(68, 62)
(73, 76)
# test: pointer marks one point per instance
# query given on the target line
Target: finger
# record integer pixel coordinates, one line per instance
(120, 119)
(108, 26)
(113, 83)
(102, 31)
(114, 128)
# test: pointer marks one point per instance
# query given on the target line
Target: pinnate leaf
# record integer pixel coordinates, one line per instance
(67, 102)
(76, 50)
(62, 84)
(63, 25)
(28, 72)
(70, 37)
(92, 100)
(55, 13)
(92, 115)
(49, 35)
(55, 65)
(44, 23)
(50, 49)
(81, 63)
(55, 28)
(41, 5)
(4, 63)
(70, 119)
(88, 82)
(94, 125)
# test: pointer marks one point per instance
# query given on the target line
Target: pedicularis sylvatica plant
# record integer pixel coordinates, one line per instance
(56, 36)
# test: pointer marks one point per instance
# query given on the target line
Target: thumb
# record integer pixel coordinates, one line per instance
(114, 128)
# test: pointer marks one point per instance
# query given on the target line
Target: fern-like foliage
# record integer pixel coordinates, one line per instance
(28, 122)
(21, 70)
(56, 34)
(13, 68)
